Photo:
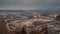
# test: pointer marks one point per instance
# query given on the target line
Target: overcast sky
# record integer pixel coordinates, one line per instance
(29, 4)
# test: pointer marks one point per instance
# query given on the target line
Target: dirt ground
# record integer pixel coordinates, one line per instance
(3, 29)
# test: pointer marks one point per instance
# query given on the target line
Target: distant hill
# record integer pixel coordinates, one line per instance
(48, 10)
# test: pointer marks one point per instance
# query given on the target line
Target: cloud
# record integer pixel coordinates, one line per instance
(28, 4)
